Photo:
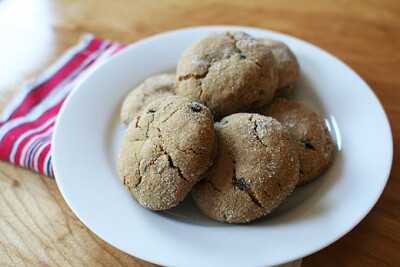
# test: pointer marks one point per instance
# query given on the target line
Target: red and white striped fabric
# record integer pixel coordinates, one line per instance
(26, 125)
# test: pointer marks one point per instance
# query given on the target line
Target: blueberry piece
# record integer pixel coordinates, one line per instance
(308, 145)
(241, 181)
(151, 110)
(195, 107)
(224, 122)
(243, 56)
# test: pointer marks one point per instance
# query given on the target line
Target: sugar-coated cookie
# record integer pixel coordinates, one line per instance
(255, 169)
(312, 140)
(287, 66)
(228, 72)
(165, 151)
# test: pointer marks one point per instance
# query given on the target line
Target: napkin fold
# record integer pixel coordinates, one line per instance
(27, 123)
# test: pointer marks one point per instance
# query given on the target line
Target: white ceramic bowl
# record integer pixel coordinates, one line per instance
(88, 134)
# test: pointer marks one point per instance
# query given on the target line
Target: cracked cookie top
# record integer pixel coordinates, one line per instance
(138, 98)
(165, 151)
(228, 72)
(287, 66)
(255, 169)
(312, 140)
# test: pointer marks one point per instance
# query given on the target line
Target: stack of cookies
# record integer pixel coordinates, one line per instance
(223, 128)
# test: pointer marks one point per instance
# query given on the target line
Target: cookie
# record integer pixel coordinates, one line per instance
(154, 87)
(228, 72)
(287, 66)
(165, 151)
(255, 169)
(312, 140)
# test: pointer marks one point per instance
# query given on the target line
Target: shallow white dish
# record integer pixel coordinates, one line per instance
(88, 134)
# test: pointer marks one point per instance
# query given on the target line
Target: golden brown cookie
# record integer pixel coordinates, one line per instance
(228, 72)
(287, 66)
(312, 140)
(154, 87)
(165, 150)
(255, 169)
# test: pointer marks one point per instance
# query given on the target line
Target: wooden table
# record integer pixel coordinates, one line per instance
(36, 225)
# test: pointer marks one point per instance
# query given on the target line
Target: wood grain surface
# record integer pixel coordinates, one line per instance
(36, 225)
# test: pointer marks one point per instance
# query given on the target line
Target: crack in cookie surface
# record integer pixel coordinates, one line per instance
(165, 152)
(191, 150)
(194, 76)
(172, 165)
(239, 51)
(170, 115)
(140, 176)
(237, 185)
(213, 186)
(255, 131)
(137, 121)
(148, 126)
(233, 37)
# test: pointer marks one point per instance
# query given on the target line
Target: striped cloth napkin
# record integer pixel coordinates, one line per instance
(26, 124)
